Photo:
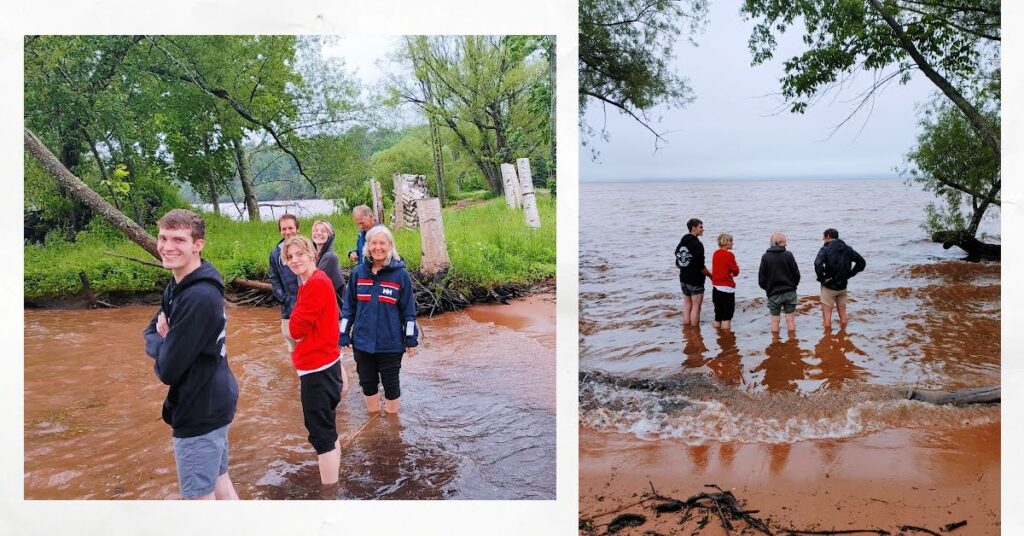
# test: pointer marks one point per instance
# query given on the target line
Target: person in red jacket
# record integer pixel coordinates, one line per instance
(723, 293)
(314, 325)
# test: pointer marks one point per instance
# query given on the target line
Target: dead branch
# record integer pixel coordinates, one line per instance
(133, 259)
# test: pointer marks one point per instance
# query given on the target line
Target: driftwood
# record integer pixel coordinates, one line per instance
(963, 397)
(248, 283)
(133, 259)
(90, 298)
(976, 249)
(722, 506)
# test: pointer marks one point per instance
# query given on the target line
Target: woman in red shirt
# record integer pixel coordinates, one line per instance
(314, 325)
(723, 269)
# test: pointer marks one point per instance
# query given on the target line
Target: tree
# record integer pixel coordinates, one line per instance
(951, 42)
(953, 161)
(626, 48)
(479, 87)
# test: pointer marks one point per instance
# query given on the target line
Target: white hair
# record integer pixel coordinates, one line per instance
(392, 251)
(778, 238)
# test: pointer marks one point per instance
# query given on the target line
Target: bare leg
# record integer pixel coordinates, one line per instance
(372, 403)
(208, 497)
(224, 489)
(330, 463)
(842, 315)
(727, 324)
(826, 316)
(695, 302)
(686, 310)
(791, 322)
(392, 406)
(775, 324)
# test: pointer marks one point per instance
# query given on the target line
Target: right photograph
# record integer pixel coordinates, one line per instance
(789, 267)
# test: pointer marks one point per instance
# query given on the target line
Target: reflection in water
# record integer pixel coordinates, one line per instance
(784, 365)
(779, 457)
(694, 348)
(727, 366)
(477, 420)
(836, 367)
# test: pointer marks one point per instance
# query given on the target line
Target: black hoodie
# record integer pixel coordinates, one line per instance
(192, 359)
(833, 264)
(778, 272)
(327, 261)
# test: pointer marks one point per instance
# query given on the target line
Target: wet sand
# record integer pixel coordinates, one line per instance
(477, 421)
(884, 480)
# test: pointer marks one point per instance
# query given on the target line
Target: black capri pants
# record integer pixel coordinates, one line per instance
(320, 393)
(379, 368)
(725, 304)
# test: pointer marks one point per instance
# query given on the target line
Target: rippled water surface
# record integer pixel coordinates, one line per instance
(477, 421)
(919, 317)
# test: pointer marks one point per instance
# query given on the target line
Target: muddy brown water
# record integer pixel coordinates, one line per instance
(477, 421)
(814, 430)
(919, 317)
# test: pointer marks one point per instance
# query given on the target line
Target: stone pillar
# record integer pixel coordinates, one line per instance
(434, 257)
(529, 198)
(508, 176)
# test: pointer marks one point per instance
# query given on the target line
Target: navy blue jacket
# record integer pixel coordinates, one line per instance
(192, 359)
(378, 312)
(833, 267)
(360, 242)
(284, 281)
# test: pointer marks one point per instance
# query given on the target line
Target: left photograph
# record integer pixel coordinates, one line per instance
(289, 267)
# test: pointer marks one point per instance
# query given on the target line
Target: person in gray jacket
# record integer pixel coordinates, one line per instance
(285, 283)
(779, 276)
(327, 261)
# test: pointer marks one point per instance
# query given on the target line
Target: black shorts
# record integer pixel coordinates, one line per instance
(725, 304)
(320, 393)
(379, 368)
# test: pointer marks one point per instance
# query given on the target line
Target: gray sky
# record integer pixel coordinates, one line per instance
(732, 129)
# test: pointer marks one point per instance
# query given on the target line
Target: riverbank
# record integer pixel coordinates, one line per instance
(490, 247)
(477, 419)
(884, 480)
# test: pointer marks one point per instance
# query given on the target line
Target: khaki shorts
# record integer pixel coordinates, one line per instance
(833, 298)
(287, 337)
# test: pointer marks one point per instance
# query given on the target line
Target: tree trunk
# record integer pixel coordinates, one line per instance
(244, 176)
(103, 174)
(529, 198)
(438, 150)
(211, 177)
(972, 114)
(978, 395)
(976, 249)
(553, 116)
(435, 251)
(81, 192)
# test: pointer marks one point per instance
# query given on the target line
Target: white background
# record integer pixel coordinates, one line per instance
(407, 517)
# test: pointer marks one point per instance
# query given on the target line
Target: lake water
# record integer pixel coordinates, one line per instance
(919, 316)
(271, 210)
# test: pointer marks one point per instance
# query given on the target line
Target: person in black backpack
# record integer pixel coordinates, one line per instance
(690, 261)
(834, 265)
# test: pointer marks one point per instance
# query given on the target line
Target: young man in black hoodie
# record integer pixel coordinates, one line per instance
(692, 271)
(284, 282)
(186, 339)
(779, 276)
(834, 265)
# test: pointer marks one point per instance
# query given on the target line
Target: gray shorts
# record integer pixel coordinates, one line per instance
(783, 301)
(691, 290)
(200, 460)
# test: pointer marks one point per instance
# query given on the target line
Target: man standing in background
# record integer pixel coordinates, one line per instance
(284, 281)
(834, 265)
(692, 271)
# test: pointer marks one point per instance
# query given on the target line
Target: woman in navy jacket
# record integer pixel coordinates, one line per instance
(378, 319)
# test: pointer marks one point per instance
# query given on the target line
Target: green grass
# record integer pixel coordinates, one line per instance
(489, 246)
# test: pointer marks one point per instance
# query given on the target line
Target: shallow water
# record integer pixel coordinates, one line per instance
(477, 420)
(919, 317)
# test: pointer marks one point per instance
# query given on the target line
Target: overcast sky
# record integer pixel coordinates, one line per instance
(733, 130)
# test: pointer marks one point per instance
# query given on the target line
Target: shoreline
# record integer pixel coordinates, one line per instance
(883, 480)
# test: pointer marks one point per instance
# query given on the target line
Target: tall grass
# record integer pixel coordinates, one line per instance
(489, 246)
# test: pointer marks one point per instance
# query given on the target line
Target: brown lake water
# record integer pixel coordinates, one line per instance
(919, 317)
(477, 419)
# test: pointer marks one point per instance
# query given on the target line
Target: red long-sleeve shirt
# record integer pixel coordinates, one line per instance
(723, 268)
(315, 320)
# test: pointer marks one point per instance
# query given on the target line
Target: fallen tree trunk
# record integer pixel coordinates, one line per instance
(81, 191)
(963, 397)
(976, 249)
(248, 283)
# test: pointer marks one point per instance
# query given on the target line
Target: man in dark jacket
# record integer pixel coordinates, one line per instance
(364, 218)
(186, 340)
(779, 276)
(834, 265)
(690, 261)
(284, 281)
